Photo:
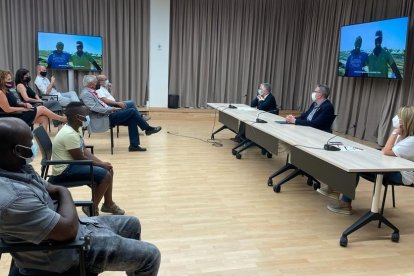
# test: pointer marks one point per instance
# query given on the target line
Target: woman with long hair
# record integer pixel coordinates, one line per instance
(25, 111)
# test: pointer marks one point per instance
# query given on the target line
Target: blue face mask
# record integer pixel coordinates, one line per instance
(28, 159)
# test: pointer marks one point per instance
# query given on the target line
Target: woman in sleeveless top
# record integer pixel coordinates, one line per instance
(25, 111)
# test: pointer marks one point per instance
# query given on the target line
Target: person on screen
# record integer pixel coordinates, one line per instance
(380, 59)
(83, 60)
(47, 87)
(58, 59)
(400, 143)
(320, 114)
(356, 61)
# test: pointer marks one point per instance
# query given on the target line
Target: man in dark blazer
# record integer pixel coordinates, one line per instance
(265, 100)
(321, 113)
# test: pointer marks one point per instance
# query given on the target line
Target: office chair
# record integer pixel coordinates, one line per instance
(45, 146)
(296, 172)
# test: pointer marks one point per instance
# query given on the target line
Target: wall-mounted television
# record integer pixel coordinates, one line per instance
(69, 51)
(375, 49)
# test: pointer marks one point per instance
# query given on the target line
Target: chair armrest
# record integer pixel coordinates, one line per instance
(82, 243)
(67, 162)
(91, 147)
(48, 97)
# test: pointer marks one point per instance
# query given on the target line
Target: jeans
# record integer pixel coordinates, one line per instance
(132, 118)
(116, 246)
(65, 98)
(394, 177)
(79, 173)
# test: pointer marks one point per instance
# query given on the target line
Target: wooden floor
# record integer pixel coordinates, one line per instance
(211, 214)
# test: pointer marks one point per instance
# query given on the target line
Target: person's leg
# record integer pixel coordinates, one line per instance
(41, 120)
(130, 104)
(116, 246)
(72, 95)
(126, 117)
(43, 111)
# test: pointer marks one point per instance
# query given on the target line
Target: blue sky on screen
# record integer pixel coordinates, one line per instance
(394, 33)
(91, 44)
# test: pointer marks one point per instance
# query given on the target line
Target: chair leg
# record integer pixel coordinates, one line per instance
(112, 139)
(393, 196)
(383, 203)
(117, 131)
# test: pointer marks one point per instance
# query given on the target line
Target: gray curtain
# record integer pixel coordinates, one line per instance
(222, 49)
(123, 24)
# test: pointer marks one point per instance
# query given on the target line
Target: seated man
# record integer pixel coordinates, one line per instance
(265, 100)
(68, 145)
(47, 87)
(320, 114)
(103, 89)
(117, 116)
(34, 211)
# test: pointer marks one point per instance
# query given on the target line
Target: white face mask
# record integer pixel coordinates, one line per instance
(313, 96)
(260, 92)
(106, 83)
(85, 124)
(396, 122)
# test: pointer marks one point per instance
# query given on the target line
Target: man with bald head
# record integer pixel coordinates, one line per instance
(104, 91)
(33, 210)
(47, 87)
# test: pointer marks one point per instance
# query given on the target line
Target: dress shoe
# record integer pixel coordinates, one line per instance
(152, 130)
(138, 148)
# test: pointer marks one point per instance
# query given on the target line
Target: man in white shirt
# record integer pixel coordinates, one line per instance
(47, 87)
(105, 95)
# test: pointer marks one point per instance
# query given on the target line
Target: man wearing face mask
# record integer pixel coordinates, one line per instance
(68, 145)
(320, 114)
(33, 210)
(380, 59)
(47, 87)
(265, 100)
(103, 89)
(356, 61)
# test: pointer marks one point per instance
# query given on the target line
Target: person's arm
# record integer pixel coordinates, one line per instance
(4, 104)
(67, 227)
(395, 70)
(98, 68)
(113, 103)
(22, 90)
(387, 149)
(321, 118)
(255, 102)
(92, 103)
(43, 88)
(268, 104)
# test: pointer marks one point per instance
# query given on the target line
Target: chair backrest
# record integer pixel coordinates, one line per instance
(16, 94)
(44, 142)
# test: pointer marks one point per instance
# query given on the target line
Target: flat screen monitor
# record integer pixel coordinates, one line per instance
(375, 49)
(69, 51)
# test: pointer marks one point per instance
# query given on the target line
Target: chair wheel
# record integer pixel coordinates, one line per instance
(395, 237)
(269, 182)
(238, 156)
(269, 155)
(233, 151)
(276, 189)
(316, 185)
(343, 241)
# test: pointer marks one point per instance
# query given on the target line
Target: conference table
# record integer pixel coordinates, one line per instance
(339, 169)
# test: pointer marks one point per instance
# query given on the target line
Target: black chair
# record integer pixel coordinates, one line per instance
(81, 245)
(111, 133)
(386, 183)
(45, 146)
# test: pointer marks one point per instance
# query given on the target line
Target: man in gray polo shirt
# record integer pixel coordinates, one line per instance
(32, 210)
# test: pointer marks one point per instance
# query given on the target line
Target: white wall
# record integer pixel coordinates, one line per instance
(159, 52)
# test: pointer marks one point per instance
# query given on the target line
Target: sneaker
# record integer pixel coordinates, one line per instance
(137, 148)
(327, 191)
(85, 209)
(114, 209)
(340, 208)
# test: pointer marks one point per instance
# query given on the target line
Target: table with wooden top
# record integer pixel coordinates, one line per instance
(339, 169)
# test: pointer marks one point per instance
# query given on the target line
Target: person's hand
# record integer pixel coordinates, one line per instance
(121, 104)
(107, 166)
(260, 98)
(52, 80)
(398, 131)
(28, 105)
(290, 119)
(117, 109)
(54, 191)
